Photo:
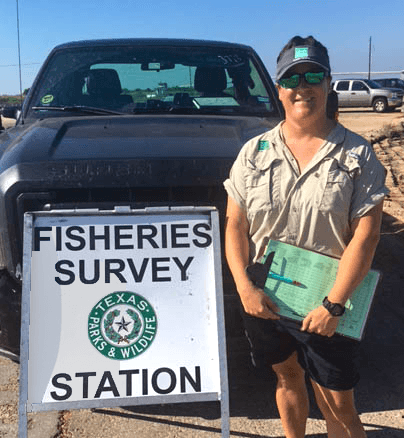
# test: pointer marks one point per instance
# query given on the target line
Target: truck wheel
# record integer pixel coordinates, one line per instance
(380, 105)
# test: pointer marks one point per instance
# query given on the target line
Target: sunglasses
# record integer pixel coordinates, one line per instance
(310, 78)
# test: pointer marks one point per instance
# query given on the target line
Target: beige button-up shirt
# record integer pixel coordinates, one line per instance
(313, 209)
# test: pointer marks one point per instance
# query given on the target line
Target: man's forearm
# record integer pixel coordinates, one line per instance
(353, 267)
(357, 257)
(237, 254)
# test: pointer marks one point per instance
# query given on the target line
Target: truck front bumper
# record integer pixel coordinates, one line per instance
(395, 101)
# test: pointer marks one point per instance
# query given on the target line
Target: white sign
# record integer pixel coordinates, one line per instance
(122, 306)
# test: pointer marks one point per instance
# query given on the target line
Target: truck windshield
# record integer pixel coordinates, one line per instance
(139, 80)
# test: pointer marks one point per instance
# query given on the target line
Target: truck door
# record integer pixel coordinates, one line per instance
(360, 94)
(342, 89)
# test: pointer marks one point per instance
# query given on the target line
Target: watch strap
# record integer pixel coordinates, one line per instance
(335, 309)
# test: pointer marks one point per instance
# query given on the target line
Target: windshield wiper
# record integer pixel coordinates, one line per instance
(77, 109)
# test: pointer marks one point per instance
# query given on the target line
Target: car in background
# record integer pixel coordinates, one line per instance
(390, 83)
(367, 93)
(128, 122)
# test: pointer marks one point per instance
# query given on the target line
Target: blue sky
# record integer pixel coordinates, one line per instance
(343, 26)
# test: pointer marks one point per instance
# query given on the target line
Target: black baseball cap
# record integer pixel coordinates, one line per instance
(300, 54)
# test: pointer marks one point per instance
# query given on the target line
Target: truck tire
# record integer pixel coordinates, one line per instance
(380, 105)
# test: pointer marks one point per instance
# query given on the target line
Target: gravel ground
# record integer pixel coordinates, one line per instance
(379, 394)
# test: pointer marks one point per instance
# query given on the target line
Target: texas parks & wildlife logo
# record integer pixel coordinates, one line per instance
(122, 325)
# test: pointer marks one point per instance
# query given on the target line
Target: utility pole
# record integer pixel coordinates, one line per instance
(19, 53)
(370, 56)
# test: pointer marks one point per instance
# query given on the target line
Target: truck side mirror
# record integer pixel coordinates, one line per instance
(10, 112)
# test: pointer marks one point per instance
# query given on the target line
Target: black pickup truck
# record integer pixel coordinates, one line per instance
(134, 122)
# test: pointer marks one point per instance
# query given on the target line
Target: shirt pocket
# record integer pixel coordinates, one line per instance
(263, 186)
(338, 186)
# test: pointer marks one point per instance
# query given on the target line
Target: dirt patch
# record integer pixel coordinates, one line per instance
(386, 133)
(367, 123)
(390, 151)
(9, 413)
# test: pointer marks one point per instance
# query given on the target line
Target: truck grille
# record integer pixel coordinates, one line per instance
(107, 198)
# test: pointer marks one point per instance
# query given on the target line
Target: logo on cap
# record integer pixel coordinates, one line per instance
(301, 52)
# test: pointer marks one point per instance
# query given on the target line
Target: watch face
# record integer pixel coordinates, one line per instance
(337, 309)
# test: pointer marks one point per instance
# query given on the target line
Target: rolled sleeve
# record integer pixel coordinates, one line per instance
(370, 188)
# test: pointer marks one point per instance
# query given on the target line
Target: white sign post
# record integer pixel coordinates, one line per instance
(122, 308)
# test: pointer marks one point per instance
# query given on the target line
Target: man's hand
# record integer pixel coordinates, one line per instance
(321, 322)
(257, 304)
(258, 272)
(254, 300)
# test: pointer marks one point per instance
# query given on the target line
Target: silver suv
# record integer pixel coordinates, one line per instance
(367, 93)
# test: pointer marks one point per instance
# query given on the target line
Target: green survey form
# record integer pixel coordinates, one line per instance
(299, 280)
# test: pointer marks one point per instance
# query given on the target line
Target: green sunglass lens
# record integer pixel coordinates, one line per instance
(291, 82)
(314, 78)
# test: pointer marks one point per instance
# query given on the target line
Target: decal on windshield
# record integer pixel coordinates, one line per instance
(46, 100)
(231, 60)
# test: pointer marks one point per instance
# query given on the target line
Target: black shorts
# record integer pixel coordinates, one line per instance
(331, 362)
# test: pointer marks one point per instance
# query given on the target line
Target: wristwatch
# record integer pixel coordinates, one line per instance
(335, 309)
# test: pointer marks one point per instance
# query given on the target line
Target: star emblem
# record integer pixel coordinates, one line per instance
(122, 325)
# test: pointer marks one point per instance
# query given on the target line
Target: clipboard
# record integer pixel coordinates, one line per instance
(313, 275)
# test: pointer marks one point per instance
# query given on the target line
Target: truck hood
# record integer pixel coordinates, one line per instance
(131, 137)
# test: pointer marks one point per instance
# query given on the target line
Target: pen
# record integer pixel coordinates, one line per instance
(284, 279)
